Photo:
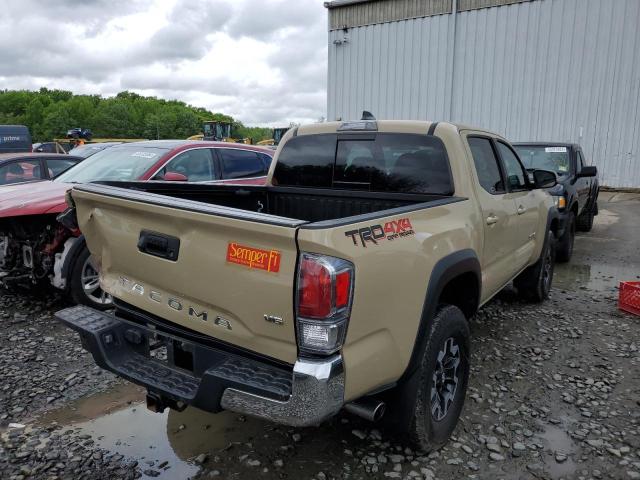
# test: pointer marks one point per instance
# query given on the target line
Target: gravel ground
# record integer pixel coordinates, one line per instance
(554, 393)
(42, 362)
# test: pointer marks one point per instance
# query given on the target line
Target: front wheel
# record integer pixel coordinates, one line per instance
(84, 283)
(534, 283)
(564, 250)
(444, 373)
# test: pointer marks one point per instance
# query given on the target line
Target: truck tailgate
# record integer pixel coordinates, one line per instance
(224, 272)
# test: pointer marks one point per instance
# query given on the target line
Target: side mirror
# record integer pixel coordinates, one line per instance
(174, 177)
(544, 179)
(588, 172)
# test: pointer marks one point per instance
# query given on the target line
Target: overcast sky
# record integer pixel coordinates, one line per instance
(261, 61)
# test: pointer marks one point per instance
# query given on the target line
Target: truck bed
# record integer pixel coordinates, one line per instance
(218, 259)
(301, 204)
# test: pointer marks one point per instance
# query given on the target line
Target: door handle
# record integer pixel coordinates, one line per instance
(491, 219)
(521, 210)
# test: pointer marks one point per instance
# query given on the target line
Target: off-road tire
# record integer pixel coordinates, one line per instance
(585, 220)
(534, 283)
(76, 291)
(425, 431)
(564, 245)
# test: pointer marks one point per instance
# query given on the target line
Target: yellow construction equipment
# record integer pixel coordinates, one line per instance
(221, 132)
(276, 136)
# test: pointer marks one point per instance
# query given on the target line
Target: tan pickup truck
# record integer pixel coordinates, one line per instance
(347, 282)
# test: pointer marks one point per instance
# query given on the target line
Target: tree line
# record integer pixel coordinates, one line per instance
(50, 113)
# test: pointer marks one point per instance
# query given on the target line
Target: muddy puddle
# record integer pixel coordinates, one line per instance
(167, 442)
(600, 277)
(557, 441)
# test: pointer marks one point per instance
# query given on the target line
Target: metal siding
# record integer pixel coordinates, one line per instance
(381, 11)
(464, 5)
(556, 70)
(384, 11)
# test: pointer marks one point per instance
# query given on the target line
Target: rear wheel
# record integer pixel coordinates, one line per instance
(534, 284)
(84, 283)
(444, 373)
(564, 248)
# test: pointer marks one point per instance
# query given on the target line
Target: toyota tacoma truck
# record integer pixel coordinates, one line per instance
(575, 195)
(346, 282)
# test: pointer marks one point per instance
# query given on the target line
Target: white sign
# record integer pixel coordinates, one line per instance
(555, 149)
(144, 154)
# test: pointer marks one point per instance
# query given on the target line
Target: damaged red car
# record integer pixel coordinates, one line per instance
(35, 248)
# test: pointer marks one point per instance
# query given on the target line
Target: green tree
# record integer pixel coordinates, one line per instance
(55, 121)
(50, 113)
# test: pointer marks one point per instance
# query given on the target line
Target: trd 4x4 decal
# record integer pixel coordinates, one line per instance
(376, 233)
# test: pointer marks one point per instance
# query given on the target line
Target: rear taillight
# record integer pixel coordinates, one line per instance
(323, 304)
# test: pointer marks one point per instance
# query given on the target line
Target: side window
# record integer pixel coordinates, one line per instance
(266, 161)
(20, 171)
(486, 164)
(513, 168)
(58, 165)
(196, 165)
(238, 163)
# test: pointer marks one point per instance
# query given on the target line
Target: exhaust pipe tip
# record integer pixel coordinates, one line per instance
(367, 408)
(379, 411)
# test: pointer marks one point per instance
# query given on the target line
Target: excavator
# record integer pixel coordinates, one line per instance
(220, 132)
(276, 136)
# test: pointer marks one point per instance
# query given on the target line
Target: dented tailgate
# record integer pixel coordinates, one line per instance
(224, 272)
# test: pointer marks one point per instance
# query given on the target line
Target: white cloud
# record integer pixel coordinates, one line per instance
(261, 61)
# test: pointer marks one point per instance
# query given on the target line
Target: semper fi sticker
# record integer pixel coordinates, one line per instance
(254, 258)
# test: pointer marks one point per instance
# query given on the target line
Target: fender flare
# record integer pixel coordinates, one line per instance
(572, 202)
(552, 215)
(594, 191)
(446, 269)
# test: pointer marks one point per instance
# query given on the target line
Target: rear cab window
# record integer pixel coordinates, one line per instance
(380, 162)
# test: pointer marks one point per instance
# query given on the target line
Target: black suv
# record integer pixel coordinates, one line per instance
(575, 195)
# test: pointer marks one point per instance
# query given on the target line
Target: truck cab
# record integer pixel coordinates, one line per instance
(576, 193)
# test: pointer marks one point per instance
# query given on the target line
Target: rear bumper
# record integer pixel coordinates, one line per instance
(206, 377)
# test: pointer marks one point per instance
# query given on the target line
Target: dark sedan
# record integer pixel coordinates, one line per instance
(32, 167)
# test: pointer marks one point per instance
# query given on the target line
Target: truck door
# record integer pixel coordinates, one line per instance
(498, 216)
(526, 221)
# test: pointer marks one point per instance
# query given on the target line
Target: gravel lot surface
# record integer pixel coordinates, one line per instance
(554, 393)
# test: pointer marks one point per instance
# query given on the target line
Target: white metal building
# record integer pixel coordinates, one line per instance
(556, 70)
